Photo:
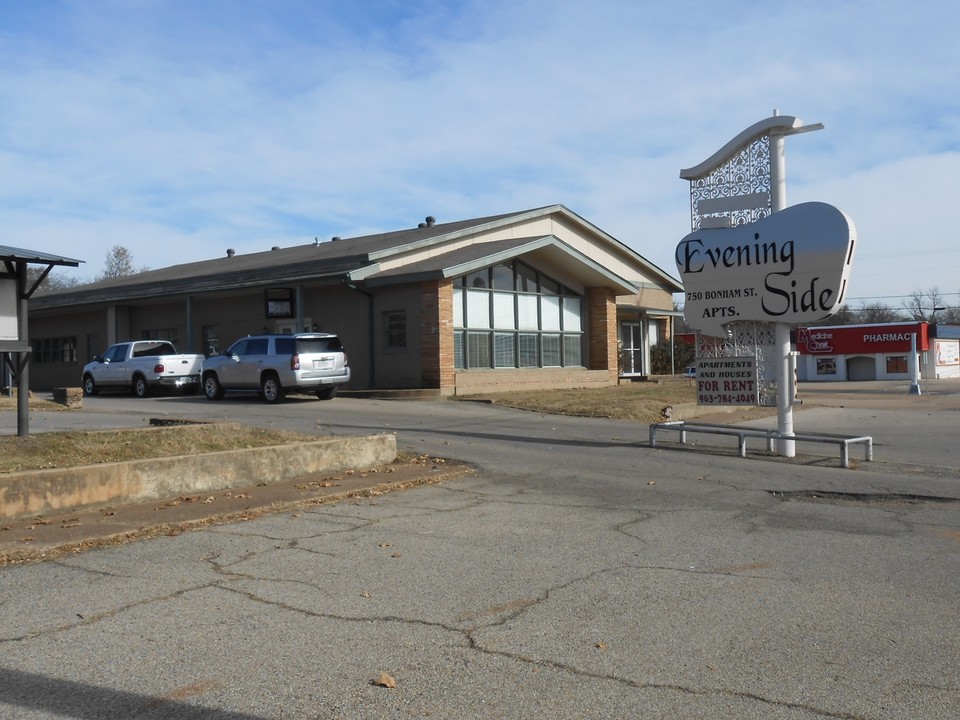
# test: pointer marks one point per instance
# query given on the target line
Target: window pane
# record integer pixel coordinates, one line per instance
(529, 350)
(395, 329)
(458, 350)
(478, 350)
(571, 350)
(526, 278)
(548, 286)
(458, 308)
(478, 309)
(551, 351)
(503, 351)
(550, 312)
(503, 315)
(571, 314)
(479, 279)
(502, 277)
(527, 316)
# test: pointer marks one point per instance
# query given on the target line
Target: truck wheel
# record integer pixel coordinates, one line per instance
(89, 386)
(212, 387)
(140, 387)
(327, 393)
(272, 389)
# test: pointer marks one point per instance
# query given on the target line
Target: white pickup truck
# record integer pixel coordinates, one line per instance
(142, 366)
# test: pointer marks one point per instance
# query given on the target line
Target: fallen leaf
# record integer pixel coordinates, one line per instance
(384, 544)
(208, 500)
(365, 594)
(652, 482)
(384, 680)
(395, 555)
(601, 645)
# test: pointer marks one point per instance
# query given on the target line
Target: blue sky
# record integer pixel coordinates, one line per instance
(181, 128)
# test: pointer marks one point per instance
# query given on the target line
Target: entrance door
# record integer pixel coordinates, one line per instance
(631, 349)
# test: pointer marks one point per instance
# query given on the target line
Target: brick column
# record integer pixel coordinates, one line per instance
(436, 335)
(602, 330)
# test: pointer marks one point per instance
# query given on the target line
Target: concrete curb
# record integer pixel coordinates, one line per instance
(43, 491)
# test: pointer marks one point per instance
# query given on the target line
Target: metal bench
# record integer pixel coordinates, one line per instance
(843, 441)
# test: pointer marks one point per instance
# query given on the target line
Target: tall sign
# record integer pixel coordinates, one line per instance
(749, 257)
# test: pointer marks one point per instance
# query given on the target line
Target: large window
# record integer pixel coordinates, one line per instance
(512, 316)
(55, 351)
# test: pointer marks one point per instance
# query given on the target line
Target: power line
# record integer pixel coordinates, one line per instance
(888, 297)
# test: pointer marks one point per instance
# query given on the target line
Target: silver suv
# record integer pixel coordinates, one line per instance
(274, 365)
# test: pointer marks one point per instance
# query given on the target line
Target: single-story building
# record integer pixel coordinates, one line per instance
(876, 351)
(535, 299)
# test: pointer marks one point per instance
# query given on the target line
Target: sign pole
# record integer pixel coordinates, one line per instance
(785, 379)
(914, 366)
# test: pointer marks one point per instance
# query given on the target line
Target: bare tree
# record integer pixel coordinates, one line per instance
(119, 263)
(878, 313)
(52, 282)
(924, 304)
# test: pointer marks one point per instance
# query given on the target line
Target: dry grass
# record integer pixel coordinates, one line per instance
(72, 449)
(640, 402)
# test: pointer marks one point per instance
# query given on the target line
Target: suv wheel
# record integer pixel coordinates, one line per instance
(212, 387)
(272, 389)
(89, 386)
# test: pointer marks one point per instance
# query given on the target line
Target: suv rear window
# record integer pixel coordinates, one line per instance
(318, 345)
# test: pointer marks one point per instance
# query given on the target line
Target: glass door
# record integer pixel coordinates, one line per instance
(631, 349)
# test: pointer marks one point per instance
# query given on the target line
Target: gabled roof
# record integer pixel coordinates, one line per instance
(347, 259)
(475, 257)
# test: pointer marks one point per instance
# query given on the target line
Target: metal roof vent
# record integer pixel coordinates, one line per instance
(431, 220)
(334, 238)
(275, 247)
(231, 252)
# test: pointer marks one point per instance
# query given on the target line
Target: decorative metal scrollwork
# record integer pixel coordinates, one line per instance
(746, 173)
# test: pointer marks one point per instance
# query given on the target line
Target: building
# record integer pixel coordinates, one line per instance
(877, 351)
(535, 299)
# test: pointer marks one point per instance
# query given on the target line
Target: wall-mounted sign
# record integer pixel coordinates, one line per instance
(791, 267)
(727, 381)
(852, 339)
(279, 303)
(948, 352)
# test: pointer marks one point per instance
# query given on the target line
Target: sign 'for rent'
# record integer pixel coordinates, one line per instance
(727, 381)
(791, 267)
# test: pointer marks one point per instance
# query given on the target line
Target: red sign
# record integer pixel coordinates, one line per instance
(852, 339)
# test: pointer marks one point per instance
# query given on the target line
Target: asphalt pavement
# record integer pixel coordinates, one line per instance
(577, 573)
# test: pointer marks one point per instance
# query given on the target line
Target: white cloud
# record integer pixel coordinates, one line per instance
(180, 129)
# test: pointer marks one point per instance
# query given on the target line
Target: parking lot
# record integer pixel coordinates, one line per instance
(577, 574)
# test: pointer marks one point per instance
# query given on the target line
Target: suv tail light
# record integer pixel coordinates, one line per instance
(158, 368)
(294, 362)
(345, 363)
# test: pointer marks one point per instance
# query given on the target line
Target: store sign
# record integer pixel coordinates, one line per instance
(727, 381)
(279, 303)
(849, 339)
(791, 267)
